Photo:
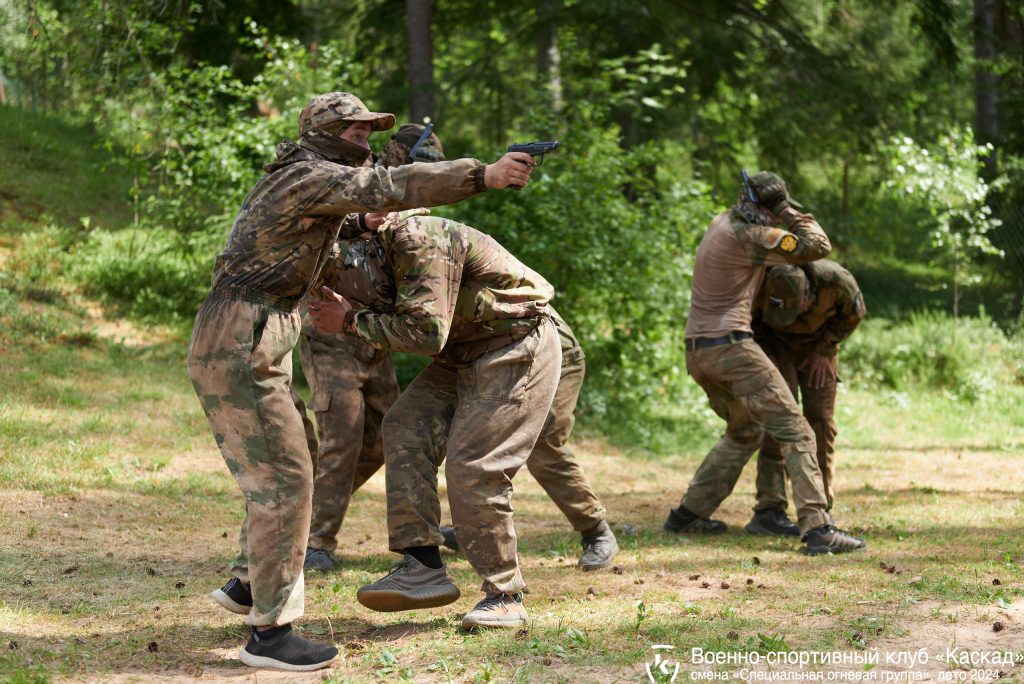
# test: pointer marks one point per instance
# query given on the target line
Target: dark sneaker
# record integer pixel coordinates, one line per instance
(235, 596)
(599, 547)
(282, 649)
(680, 520)
(829, 539)
(772, 522)
(409, 585)
(318, 559)
(450, 542)
(499, 610)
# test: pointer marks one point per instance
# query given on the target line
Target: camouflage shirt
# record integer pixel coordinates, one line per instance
(427, 284)
(288, 224)
(730, 265)
(837, 310)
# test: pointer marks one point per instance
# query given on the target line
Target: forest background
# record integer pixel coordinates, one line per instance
(131, 130)
(897, 125)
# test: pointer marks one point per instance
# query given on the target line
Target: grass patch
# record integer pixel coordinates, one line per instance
(43, 152)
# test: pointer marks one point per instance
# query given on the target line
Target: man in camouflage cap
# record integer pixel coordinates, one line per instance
(240, 352)
(445, 290)
(744, 388)
(354, 384)
(804, 313)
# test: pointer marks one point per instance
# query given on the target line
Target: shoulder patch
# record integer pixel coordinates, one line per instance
(788, 243)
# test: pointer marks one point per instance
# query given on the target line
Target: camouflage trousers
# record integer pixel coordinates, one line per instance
(240, 363)
(553, 464)
(750, 394)
(307, 426)
(485, 417)
(819, 409)
(351, 394)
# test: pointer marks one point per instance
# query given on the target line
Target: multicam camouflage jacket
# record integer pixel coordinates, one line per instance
(427, 285)
(288, 224)
(837, 310)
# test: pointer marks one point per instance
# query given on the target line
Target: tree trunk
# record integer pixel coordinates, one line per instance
(549, 57)
(421, 60)
(846, 188)
(986, 83)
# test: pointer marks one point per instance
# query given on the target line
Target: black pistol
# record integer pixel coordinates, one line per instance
(534, 149)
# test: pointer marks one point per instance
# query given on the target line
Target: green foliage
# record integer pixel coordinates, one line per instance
(149, 274)
(968, 357)
(616, 238)
(947, 194)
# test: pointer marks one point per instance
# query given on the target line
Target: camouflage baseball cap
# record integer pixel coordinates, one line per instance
(763, 180)
(399, 149)
(785, 287)
(329, 108)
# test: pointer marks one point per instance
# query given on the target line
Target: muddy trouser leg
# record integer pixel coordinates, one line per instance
(554, 465)
(336, 379)
(307, 426)
(415, 435)
(750, 393)
(771, 467)
(819, 409)
(240, 365)
(379, 394)
(504, 399)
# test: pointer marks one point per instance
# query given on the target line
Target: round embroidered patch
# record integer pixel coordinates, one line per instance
(788, 243)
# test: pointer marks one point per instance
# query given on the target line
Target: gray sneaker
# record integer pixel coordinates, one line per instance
(599, 547)
(498, 610)
(830, 539)
(319, 559)
(410, 585)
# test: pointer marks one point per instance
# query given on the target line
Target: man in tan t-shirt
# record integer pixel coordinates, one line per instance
(743, 386)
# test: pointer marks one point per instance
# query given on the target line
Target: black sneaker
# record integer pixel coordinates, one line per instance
(682, 520)
(235, 596)
(599, 547)
(280, 648)
(829, 539)
(774, 523)
(450, 542)
(318, 559)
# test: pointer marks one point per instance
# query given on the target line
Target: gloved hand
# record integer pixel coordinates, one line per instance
(773, 198)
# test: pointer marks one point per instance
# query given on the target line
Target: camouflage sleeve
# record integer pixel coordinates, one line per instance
(427, 272)
(333, 190)
(850, 311)
(804, 242)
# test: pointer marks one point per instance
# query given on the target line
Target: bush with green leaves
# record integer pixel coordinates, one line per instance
(943, 186)
(145, 273)
(616, 238)
(967, 357)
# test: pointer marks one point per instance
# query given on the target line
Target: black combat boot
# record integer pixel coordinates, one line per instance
(772, 522)
(682, 520)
